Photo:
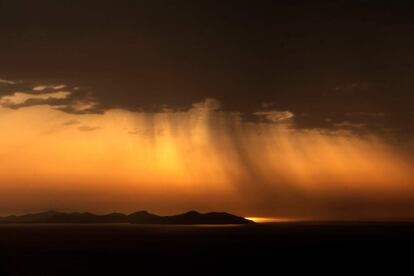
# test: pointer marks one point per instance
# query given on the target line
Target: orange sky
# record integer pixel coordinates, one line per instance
(203, 159)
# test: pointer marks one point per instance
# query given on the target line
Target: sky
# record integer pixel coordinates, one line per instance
(300, 109)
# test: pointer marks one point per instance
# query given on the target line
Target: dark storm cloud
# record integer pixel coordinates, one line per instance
(317, 59)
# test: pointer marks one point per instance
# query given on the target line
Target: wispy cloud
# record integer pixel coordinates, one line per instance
(275, 116)
(39, 88)
(207, 104)
(19, 99)
(8, 82)
(88, 128)
(347, 124)
(63, 97)
(71, 123)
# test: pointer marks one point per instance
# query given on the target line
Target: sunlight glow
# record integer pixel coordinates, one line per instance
(201, 159)
(270, 219)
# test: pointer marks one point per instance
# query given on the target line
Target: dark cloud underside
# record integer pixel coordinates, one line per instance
(324, 59)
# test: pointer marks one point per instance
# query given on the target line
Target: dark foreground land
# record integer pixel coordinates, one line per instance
(260, 249)
(140, 217)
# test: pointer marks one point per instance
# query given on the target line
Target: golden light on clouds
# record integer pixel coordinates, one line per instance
(20, 97)
(202, 159)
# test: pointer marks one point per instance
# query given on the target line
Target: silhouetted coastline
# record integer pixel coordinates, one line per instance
(140, 217)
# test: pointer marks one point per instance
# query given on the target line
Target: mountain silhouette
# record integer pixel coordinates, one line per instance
(143, 217)
(192, 217)
(140, 217)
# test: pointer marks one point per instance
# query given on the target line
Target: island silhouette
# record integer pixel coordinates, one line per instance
(140, 217)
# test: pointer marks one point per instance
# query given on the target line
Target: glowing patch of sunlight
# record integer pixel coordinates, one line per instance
(269, 219)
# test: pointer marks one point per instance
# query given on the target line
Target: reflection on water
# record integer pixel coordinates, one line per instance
(270, 219)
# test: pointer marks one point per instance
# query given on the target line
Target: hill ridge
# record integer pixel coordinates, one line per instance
(138, 217)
